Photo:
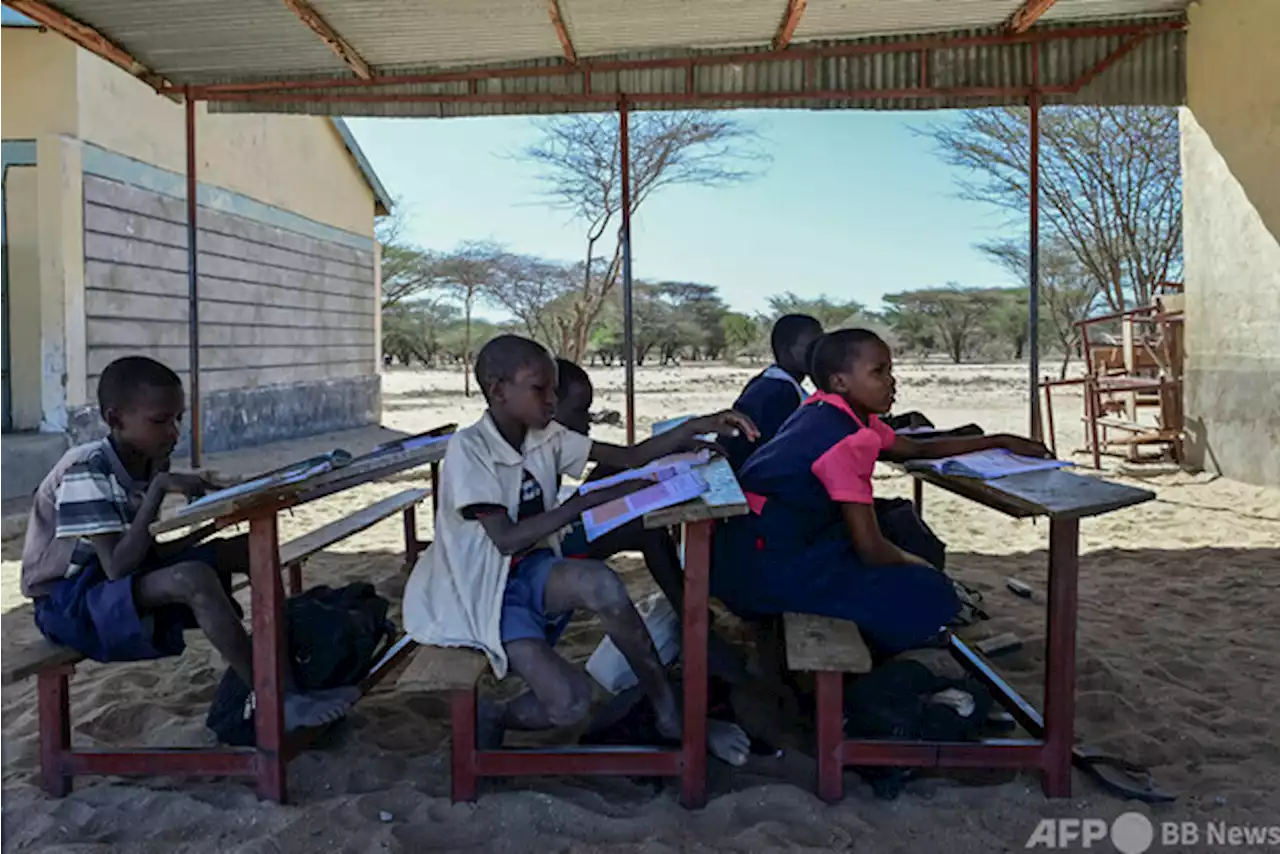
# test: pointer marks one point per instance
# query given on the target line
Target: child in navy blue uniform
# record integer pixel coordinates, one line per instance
(772, 395)
(812, 543)
(101, 584)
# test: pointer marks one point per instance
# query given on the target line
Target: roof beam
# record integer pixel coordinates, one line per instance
(330, 37)
(562, 32)
(790, 20)
(89, 39)
(1027, 14)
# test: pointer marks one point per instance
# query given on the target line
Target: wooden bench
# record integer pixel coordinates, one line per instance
(828, 648)
(53, 664)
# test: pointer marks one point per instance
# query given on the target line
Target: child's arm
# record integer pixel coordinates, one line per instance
(122, 554)
(514, 537)
(868, 540)
(905, 447)
(682, 438)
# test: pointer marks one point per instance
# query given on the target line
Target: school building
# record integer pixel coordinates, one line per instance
(95, 260)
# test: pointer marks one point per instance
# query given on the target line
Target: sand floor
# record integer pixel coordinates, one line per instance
(1179, 627)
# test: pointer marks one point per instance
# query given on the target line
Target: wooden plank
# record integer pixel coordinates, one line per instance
(357, 473)
(323, 537)
(723, 501)
(1057, 494)
(20, 664)
(438, 668)
(816, 644)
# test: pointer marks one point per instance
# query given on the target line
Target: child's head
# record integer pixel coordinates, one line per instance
(518, 379)
(573, 396)
(857, 365)
(792, 334)
(142, 402)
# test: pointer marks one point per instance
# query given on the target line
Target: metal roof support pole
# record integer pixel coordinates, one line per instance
(628, 323)
(193, 287)
(1033, 245)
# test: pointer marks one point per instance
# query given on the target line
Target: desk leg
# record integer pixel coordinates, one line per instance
(697, 583)
(435, 489)
(1060, 657)
(917, 495)
(268, 654)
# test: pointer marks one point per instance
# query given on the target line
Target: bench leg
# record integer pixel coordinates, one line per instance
(295, 578)
(463, 713)
(829, 687)
(1060, 656)
(411, 544)
(54, 699)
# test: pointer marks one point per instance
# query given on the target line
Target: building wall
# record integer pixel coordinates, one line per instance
(1231, 186)
(275, 159)
(22, 263)
(287, 258)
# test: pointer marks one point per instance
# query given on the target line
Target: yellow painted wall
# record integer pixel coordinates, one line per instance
(24, 297)
(39, 71)
(298, 163)
(1231, 215)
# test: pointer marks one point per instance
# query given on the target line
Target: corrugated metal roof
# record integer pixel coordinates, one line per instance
(388, 33)
(1152, 73)
(254, 41)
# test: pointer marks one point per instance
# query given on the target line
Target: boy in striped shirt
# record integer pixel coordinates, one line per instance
(101, 584)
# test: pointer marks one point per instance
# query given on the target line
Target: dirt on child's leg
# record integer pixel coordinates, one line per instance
(197, 586)
(559, 693)
(592, 585)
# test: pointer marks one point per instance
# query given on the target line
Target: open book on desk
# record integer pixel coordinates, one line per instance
(986, 465)
(680, 487)
(292, 473)
(660, 469)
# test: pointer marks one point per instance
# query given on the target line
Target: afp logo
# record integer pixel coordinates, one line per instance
(1131, 833)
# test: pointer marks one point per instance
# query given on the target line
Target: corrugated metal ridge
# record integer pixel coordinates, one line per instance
(1153, 72)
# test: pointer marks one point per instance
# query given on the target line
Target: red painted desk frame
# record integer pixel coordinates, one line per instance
(696, 520)
(1052, 736)
(266, 763)
(689, 762)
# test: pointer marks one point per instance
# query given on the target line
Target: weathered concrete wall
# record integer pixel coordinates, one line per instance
(1231, 187)
(287, 330)
(22, 266)
(297, 163)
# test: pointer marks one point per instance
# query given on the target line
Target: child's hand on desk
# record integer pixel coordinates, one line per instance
(727, 423)
(190, 485)
(1025, 447)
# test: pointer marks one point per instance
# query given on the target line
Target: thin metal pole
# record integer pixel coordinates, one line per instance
(193, 287)
(628, 331)
(1033, 253)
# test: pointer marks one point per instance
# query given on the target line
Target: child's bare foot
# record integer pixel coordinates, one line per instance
(728, 742)
(318, 708)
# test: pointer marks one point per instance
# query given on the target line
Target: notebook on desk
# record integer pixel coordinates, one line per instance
(986, 465)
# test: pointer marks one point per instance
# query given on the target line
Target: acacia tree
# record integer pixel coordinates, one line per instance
(533, 289)
(953, 313)
(467, 273)
(1068, 292)
(579, 157)
(407, 271)
(1110, 185)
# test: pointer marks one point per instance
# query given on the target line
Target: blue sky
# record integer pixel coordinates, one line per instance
(853, 204)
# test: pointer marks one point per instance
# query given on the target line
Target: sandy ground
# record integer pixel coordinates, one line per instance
(1179, 627)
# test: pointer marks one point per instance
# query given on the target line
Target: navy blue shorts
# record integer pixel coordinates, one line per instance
(99, 618)
(524, 614)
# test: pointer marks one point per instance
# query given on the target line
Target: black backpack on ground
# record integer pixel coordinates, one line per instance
(334, 637)
(893, 701)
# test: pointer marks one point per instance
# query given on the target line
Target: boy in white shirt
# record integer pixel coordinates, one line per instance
(494, 578)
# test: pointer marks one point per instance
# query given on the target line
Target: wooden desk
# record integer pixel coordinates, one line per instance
(265, 763)
(1064, 498)
(689, 762)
